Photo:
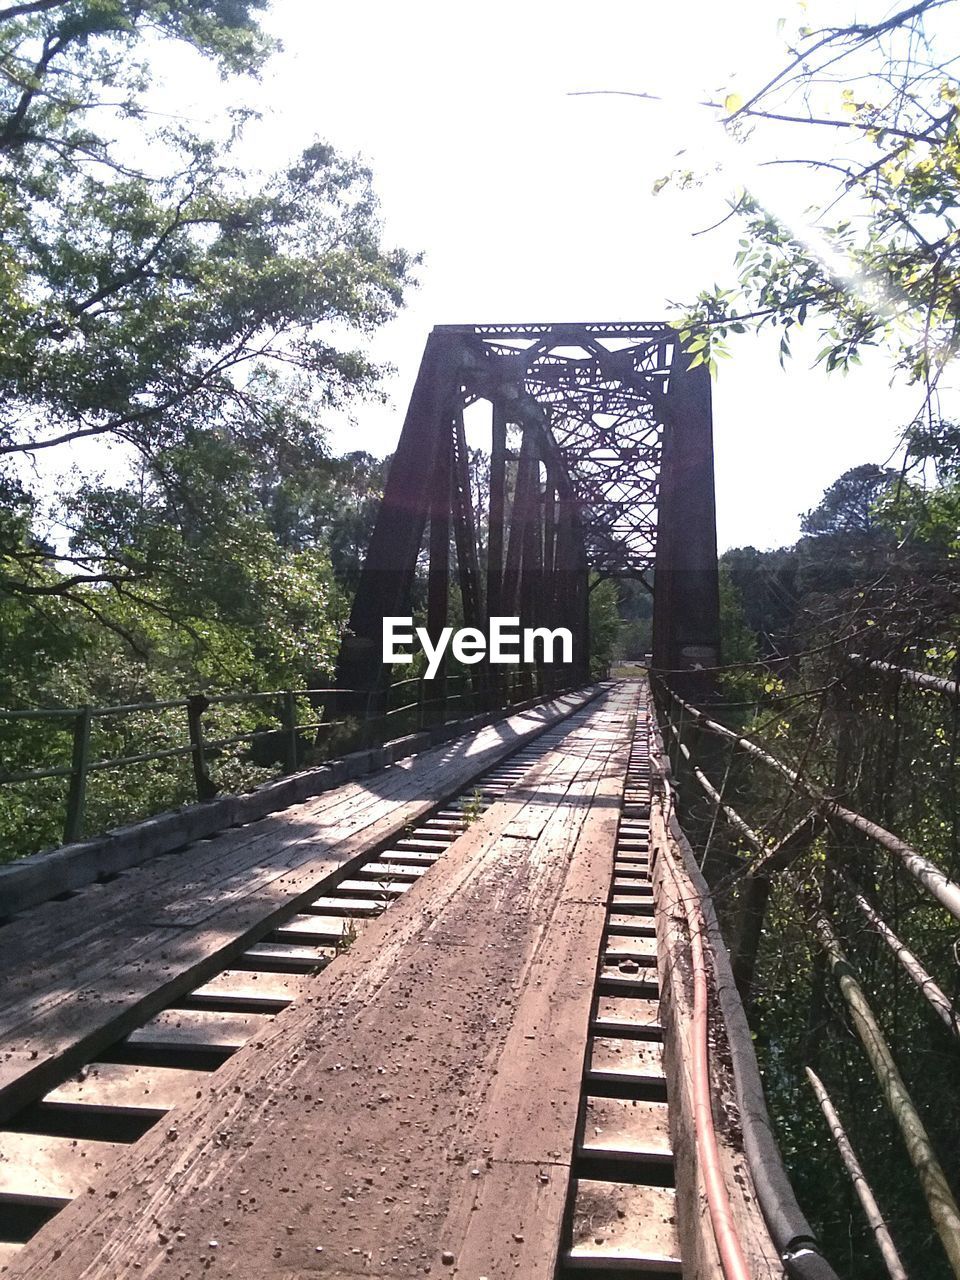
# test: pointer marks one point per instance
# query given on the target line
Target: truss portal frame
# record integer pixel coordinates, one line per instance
(613, 476)
(598, 387)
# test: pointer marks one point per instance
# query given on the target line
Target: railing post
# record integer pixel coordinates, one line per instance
(289, 718)
(196, 705)
(420, 689)
(77, 795)
(368, 718)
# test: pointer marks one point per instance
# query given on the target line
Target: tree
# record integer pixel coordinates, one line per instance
(604, 625)
(850, 505)
(870, 577)
(153, 293)
(880, 260)
(333, 505)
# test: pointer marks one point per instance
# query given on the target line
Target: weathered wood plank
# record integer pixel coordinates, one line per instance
(388, 1116)
(146, 939)
(620, 1128)
(198, 1029)
(120, 1087)
(9, 1252)
(50, 1171)
(241, 987)
(620, 1226)
(616, 1061)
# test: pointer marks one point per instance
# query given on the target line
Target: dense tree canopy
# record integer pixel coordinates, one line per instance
(154, 295)
(874, 574)
(180, 328)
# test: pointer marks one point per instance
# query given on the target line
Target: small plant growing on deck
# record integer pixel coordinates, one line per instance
(473, 808)
(348, 937)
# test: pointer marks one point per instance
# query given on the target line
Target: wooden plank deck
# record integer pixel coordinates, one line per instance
(81, 973)
(414, 1110)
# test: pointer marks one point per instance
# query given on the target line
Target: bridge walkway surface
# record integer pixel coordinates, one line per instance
(80, 972)
(177, 962)
(426, 1101)
(496, 949)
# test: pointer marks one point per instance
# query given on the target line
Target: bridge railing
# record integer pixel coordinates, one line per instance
(200, 745)
(415, 703)
(754, 880)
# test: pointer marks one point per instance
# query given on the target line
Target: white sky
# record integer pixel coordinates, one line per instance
(531, 204)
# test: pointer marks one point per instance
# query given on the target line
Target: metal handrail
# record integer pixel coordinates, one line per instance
(79, 721)
(931, 877)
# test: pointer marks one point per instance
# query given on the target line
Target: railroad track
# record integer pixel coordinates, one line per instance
(52, 1148)
(621, 1213)
(620, 1218)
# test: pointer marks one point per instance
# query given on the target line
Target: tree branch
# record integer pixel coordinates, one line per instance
(51, 47)
(30, 6)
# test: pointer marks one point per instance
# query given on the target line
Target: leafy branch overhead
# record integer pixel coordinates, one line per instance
(875, 108)
(132, 292)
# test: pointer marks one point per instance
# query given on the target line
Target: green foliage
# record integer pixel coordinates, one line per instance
(473, 808)
(870, 575)
(849, 505)
(200, 319)
(928, 515)
(159, 297)
(635, 608)
(347, 937)
(153, 294)
(738, 644)
(875, 260)
(335, 506)
(604, 625)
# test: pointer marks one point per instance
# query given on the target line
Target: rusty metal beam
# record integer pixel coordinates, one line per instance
(498, 493)
(686, 618)
(623, 428)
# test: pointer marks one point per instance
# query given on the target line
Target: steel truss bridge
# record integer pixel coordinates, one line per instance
(601, 466)
(458, 1001)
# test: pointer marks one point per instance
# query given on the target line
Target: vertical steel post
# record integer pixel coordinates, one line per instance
(495, 532)
(421, 687)
(77, 795)
(438, 579)
(686, 609)
(196, 706)
(468, 561)
(391, 560)
(549, 537)
(464, 526)
(288, 715)
(520, 515)
(498, 485)
(531, 574)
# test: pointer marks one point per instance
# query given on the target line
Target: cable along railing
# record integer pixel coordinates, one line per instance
(754, 879)
(221, 742)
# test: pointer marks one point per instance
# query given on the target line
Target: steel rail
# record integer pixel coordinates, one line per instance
(888, 1250)
(710, 790)
(924, 981)
(129, 708)
(788, 1227)
(933, 1181)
